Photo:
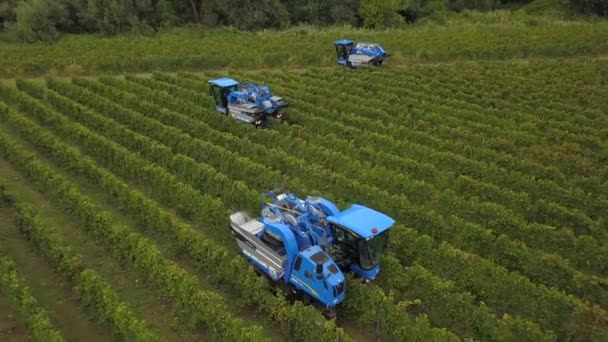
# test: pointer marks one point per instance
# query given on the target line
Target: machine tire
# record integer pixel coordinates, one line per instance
(330, 313)
(305, 298)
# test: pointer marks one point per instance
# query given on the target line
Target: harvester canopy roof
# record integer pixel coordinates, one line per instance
(224, 82)
(344, 42)
(362, 220)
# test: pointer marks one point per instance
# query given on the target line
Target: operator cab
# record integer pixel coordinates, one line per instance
(343, 49)
(361, 236)
(315, 273)
(220, 89)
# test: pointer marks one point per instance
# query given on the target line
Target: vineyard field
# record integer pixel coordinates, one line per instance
(192, 49)
(115, 191)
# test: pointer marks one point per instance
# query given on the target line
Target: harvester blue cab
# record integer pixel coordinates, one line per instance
(362, 54)
(248, 103)
(306, 245)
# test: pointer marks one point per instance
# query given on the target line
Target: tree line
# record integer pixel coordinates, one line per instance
(35, 20)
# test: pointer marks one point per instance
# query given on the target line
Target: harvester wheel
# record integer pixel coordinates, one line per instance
(330, 313)
(305, 298)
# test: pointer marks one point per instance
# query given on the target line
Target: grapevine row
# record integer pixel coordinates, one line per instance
(542, 208)
(502, 80)
(416, 107)
(197, 307)
(328, 127)
(453, 89)
(506, 292)
(207, 254)
(212, 177)
(447, 306)
(548, 275)
(579, 164)
(409, 104)
(37, 319)
(423, 139)
(495, 215)
(94, 292)
(156, 98)
(541, 211)
(138, 121)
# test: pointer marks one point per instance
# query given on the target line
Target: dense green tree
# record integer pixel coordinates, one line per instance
(308, 11)
(322, 12)
(114, 16)
(250, 15)
(188, 10)
(481, 5)
(435, 10)
(382, 13)
(593, 7)
(37, 20)
(7, 12)
(106, 16)
(343, 11)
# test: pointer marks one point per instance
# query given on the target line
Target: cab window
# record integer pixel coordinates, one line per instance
(298, 263)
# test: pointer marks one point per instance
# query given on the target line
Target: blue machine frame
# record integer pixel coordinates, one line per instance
(229, 100)
(272, 247)
(362, 54)
(355, 238)
(246, 101)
